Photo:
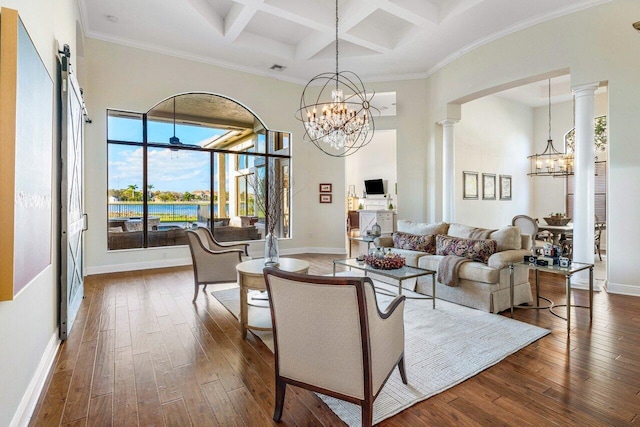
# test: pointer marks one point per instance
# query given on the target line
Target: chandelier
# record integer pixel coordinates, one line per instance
(342, 125)
(550, 162)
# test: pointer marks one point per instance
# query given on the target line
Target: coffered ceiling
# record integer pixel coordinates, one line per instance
(378, 39)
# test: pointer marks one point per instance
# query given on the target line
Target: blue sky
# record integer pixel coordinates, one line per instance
(168, 170)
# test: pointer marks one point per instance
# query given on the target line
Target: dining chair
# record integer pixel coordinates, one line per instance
(209, 264)
(528, 225)
(597, 237)
(330, 337)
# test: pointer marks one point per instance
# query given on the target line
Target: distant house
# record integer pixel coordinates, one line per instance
(113, 199)
(202, 194)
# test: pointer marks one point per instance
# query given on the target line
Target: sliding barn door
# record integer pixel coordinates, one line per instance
(72, 216)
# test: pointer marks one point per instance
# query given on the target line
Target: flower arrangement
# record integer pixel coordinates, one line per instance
(387, 262)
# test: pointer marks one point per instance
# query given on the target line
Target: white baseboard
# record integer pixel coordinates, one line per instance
(133, 266)
(30, 398)
(297, 251)
(618, 288)
(176, 262)
(584, 285)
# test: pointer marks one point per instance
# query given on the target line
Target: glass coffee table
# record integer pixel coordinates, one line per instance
(399, 274)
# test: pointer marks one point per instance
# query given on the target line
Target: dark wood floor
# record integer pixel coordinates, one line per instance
(141, 353)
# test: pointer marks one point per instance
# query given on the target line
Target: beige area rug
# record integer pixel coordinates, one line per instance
(443, 347)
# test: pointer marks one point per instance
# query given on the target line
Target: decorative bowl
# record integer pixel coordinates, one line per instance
(385, 263)
(552, 220)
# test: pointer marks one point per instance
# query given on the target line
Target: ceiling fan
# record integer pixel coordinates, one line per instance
(174, 141)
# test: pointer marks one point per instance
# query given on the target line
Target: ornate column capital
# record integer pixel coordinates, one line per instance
(585, 90)
(448, 122)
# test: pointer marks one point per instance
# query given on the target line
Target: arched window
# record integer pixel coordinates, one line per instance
(195, 159)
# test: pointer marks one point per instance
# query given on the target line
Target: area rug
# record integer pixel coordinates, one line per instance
(443, 347)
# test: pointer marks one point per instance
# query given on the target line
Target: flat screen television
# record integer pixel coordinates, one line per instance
(373, 186)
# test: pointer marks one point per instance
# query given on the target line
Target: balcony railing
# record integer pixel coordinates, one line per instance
(167, 212)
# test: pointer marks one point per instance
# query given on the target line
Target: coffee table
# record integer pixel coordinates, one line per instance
(399, 274)
(250, 277)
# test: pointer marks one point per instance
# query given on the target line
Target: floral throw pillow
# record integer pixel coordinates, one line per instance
(476, 249)
(413, 242)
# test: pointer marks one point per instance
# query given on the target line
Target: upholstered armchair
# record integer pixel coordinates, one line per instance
(330, 337)
(214, 245)
(211, 265)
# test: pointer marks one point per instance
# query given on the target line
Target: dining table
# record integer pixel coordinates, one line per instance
(558, 231)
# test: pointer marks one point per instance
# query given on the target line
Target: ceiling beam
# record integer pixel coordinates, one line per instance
(238, 18)
(209, 14)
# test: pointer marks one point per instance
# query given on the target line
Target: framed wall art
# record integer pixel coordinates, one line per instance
(325, 188)
(488, 186)
(26, 141)
(469, 185)
(325, 198)
(505, 187)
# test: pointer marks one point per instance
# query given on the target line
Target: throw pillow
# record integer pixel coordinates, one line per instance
(414, 242)
(476, 249)
(507, 238)
(421, 228)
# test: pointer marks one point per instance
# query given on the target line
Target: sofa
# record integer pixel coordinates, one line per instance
(484, 286)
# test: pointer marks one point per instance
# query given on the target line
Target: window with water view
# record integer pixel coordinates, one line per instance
(202, 163)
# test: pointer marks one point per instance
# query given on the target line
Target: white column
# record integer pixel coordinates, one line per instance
(448, 173)
(584, 170)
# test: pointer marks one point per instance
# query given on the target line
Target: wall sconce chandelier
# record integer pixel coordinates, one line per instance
(343, 125)
(550, 162)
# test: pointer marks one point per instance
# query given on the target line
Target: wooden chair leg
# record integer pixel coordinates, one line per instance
(367, 412)
(403, 373)
(195, 292)
(281, 388)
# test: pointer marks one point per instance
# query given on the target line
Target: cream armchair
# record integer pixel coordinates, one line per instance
(209, 264)
(214, 245)
(330, 337)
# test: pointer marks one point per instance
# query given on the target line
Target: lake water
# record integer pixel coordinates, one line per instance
(162, 210)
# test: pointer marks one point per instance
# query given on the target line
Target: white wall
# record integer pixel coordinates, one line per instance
(605, 53)
(376, 160)
(28, 324)
(493, 137)
(138, 79)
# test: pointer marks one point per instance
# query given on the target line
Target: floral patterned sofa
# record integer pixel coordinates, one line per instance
(484, 281)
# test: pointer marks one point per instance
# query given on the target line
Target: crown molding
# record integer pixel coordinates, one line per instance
(514, 29)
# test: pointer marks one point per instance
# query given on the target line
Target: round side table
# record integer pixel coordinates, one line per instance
(250, 277)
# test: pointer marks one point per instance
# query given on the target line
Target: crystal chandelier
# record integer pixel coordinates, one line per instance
(343, 125)
(550, 162)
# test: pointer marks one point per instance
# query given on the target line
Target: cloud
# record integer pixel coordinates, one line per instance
(168, 170)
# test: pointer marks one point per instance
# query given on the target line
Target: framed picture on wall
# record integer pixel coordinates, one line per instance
(325, 198)
(505, 187)
(469, 185)
(488, 186)
(325, 188)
